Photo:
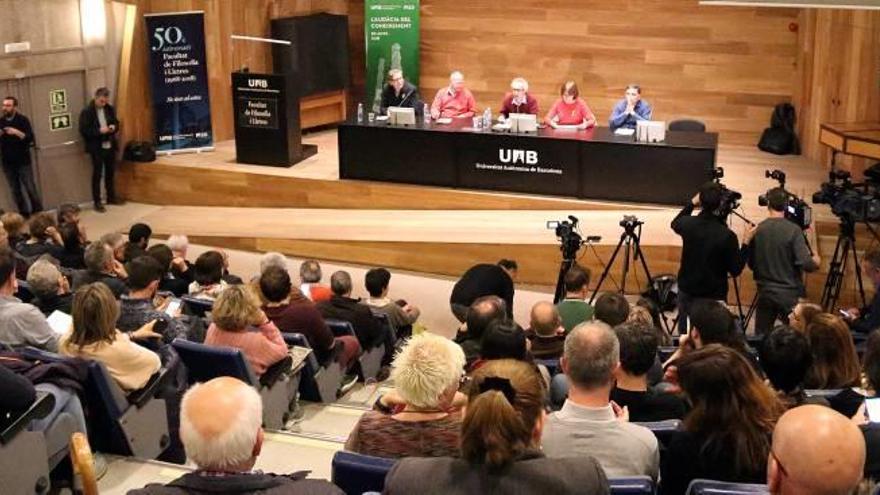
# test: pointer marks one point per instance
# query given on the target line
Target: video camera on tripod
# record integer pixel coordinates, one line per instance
(570, 244)
(853, 202)
(730, 199)
(796, 210)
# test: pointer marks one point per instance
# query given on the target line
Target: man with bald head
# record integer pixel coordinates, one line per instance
(220, 429)
(546, 333)
(588, 422)
(816, 451)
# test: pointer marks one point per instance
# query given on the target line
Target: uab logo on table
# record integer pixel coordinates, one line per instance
(512, 156)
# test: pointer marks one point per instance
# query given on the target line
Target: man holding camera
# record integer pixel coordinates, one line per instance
(779, 254)
(709, 251)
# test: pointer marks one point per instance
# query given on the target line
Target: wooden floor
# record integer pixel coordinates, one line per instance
(307, 211)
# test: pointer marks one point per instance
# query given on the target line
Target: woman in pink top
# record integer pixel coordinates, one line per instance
(570, 109)
(239, 322)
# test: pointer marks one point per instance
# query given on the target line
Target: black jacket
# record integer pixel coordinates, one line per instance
(709, 252)
(16, 151)
(366, 326)
(483, 280)
(408, 98)
(268, 484)
(90, 127)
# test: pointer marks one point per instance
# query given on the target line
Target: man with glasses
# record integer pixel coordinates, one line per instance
(519, 100)
(630, 110)
(400, 93)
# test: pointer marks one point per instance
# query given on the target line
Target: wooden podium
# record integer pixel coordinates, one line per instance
(267, 126)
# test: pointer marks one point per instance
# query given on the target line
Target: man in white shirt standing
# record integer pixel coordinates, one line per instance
(98, 126)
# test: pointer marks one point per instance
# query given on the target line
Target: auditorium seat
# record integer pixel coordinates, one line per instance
(130, 425)
(823, 393)
(204, 362)
(370, 360)
(318, 382)
(24, 465)
(552, 365)
(357, 473)
(196, 306)
(711, 487)
(663, 430)
(24, 291)
(687, 125)
(632, 485)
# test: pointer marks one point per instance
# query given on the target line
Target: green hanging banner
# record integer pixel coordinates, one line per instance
(391, 28)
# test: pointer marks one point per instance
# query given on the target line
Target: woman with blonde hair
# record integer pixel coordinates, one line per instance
(419, 418)
(500, 445)
(94, 336)
(239, 322)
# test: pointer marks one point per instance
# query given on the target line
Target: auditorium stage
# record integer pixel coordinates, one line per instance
(307, 211)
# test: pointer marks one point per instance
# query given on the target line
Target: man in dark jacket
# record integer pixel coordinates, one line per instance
(220, 428)
(16, 139)
(342, 306)
(484, 280)
(98, 126)
(400, 93)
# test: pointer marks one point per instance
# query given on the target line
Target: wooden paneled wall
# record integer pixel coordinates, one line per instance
(839, 74)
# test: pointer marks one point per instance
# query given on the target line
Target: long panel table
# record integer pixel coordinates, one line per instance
(590, 164)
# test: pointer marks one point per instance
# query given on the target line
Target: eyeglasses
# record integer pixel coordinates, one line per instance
(397, 79)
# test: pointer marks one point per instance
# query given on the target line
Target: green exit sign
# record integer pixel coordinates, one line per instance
(60, 122)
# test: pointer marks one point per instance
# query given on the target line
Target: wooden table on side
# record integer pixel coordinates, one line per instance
(851, 138)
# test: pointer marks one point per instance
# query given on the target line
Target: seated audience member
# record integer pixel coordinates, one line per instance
(208, 282)
(15, 227)
(815, 451)
(519, 100)
(116, 241)
(293, 312)
(802, 315)
(871, 426)
(229, 278)
(484, 280)
(94, 336)
(20, 324)
(426, 374)
(44, 238)
(545, 332)
(726, 434)
(138, 240)
(653, 311)
(588, 422)
(169, 282)
(570, 109)
(711, 323)
(638, 352)
(867, 319)
(136, 309)
(500, 445)
(72, 256)
(786, 358)
(239, 322)
(272, 259)
(342, 306)
(503, 339)
(612, 309)
(50, 288)
(400, 93)
(68, 213)
(454, 101)
(835, 362)
(482, 313)
(220, 426)
(310, 278)
(575, 309)
(401, 314)
(102, 267)
(181, 267)
(630, 110)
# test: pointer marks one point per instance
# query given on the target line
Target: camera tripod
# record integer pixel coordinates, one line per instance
(630, 241)
(845, 247)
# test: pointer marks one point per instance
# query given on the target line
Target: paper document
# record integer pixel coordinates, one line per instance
(623, 131)
(444, 120)
(60, 322)
(299, 355)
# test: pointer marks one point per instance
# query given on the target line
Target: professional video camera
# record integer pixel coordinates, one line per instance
(569, 238)
(630, 222)
(729, 198)
(853, 202)
(796, 210)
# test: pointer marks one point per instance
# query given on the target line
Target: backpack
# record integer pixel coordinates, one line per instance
(139, 151)
(780, 137)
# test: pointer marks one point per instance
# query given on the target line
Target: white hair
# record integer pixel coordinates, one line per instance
(425, 367)
(519, 81)
(456, 76)
(178, 242)
(271, 259)
(43, 278)
(230, 448)
(395, 72)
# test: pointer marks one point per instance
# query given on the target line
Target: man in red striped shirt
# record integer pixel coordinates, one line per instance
(454, 101)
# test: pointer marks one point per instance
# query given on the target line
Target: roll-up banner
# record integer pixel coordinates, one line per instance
(391, 28)
(179, 81)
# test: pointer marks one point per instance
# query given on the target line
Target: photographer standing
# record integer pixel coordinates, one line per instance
(709, 252)
(778, 256)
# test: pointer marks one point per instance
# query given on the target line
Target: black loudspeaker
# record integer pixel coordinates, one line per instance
(317, 60)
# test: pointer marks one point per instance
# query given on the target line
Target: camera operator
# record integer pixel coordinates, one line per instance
(866, 320)
(709, 251)
(778, 254)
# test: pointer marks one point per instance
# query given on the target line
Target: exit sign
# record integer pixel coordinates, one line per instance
(60, 122)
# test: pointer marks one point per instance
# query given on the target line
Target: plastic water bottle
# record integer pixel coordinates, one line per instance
(487, 119)
(426, 115)
(360, 113)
